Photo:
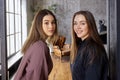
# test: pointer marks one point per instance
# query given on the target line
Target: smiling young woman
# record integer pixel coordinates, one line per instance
(88, 56)
(36, 63)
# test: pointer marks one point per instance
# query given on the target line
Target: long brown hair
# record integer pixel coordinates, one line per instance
(36, 32)
(93, 33)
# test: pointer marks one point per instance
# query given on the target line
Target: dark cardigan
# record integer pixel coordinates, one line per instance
(82, 69)
(36, 64)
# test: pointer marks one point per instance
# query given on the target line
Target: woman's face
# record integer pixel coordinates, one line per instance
(80, 26)
(48, 25)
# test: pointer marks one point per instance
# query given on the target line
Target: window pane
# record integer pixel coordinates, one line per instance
(18, 42)
(12, 44)
(16, 23)
(20, 38)
(19, 23)
(11, 23)
(7, 5)
(11, 6)
(16, 6)
(8, 46)
(8, 25)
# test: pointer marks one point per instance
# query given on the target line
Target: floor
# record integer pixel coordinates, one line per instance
(61, 69)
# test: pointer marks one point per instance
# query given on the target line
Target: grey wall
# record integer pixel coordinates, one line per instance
(97, 7)
(3, 51)
(66, 9)
(29, 13)
(64, 13)
(0, 53)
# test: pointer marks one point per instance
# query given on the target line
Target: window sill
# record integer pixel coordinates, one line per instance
(14, 59)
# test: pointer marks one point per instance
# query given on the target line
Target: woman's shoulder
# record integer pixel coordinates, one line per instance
(94, 45)
(93, 48)
(39, 44)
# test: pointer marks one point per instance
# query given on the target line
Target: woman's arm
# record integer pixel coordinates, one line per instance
(37, 68)
(98, 69)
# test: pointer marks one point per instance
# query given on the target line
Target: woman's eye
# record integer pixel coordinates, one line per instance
(74, 23)
(53, 22)
(82, 23)
(46, 23)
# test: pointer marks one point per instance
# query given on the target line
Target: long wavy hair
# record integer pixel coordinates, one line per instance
(36, 32)
(93, 34)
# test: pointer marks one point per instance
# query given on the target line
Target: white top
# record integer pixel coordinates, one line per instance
(50, 45)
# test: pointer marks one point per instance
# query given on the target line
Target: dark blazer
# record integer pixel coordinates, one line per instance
(83, 69)
(36, 64)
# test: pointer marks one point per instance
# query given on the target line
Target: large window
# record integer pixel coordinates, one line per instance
(13, 32)
(16, 33)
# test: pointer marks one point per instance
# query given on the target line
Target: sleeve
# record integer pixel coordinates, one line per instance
(37, 68)
(93, 72)
(97, 70)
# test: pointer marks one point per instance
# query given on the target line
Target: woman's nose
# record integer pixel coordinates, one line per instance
(78, 26)
(50, 25)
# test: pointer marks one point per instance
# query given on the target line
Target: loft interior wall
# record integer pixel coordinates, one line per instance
(66, 8)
